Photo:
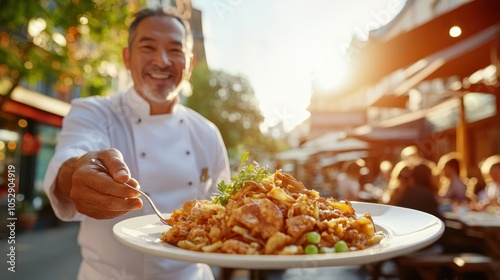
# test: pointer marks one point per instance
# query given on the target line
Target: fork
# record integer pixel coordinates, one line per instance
(157, 212)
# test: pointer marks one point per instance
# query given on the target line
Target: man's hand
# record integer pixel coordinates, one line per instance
(93, 191)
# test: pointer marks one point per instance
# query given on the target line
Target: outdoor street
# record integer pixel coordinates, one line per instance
(50, 254)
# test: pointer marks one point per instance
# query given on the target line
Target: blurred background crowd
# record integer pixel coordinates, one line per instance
(416, 182)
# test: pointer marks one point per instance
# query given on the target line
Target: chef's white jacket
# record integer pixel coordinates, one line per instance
(165, 153)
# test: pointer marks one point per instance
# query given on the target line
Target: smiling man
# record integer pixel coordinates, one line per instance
(142, 135)
(158, 60)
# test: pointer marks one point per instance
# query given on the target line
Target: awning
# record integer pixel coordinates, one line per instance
(405, 128)
(298, 154)
(335, 142)
(332, 142)
(391, 101)
(343, 157)
(409, 127)
(331, 121)
(459, 60)
(348, 156)
(36, 106)
(380, 58)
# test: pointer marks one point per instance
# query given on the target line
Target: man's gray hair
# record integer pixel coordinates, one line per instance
(159, 12)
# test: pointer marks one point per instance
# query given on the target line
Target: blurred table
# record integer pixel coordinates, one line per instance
(483, 225)
(472, 247)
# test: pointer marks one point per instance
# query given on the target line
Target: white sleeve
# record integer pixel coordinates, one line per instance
(82, 131)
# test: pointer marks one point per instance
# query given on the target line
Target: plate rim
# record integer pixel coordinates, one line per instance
(375, 253)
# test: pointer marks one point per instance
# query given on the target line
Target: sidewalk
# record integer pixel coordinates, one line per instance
(46, 254)
(53, 254)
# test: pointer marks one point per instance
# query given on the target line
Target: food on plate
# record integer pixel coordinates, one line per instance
(269, 213)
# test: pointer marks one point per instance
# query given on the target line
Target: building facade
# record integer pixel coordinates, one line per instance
(428, 78)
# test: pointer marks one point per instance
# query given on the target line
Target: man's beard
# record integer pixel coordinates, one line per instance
(160, 95)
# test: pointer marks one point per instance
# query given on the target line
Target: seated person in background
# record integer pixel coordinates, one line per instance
(420, 192)
(348, 185)
(490, 195)
(412, 156)
(452, 186)
(397, 180)
(417, 189)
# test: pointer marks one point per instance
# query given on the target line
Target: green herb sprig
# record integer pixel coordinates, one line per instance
(246, 173)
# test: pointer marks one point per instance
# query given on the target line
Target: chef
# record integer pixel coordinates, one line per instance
(141, 135)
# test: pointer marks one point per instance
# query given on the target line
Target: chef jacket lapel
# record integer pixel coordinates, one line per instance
(165, 159)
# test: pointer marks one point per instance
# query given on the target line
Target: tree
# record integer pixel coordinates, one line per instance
(230, 103)
(68, 45)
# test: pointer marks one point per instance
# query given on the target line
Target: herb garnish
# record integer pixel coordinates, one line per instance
(252, 172)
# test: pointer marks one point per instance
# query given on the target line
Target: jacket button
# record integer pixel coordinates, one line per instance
(143, 154)
(188, 153)
(139, 120)
(190, 183)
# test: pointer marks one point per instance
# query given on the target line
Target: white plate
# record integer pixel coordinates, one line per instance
(406, 231)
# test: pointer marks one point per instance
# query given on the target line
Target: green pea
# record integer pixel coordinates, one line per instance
(327, 250)
(313, 237)
(311, 249)
(341, 246)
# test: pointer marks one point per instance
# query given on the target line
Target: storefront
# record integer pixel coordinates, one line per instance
(29, 125)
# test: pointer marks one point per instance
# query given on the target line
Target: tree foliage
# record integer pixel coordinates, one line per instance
(76, 45)
(229, 102)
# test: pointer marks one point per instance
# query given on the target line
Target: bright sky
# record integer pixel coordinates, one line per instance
(282, 46)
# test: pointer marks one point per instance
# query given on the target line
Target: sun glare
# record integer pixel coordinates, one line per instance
(330, 73)
(292, 50)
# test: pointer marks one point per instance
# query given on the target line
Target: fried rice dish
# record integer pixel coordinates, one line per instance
(272, 214)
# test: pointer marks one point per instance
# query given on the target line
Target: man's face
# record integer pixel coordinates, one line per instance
(156, 58)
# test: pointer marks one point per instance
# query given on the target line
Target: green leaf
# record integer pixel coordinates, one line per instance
(253, 172)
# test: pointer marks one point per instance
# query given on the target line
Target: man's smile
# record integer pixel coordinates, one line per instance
(161, 76)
